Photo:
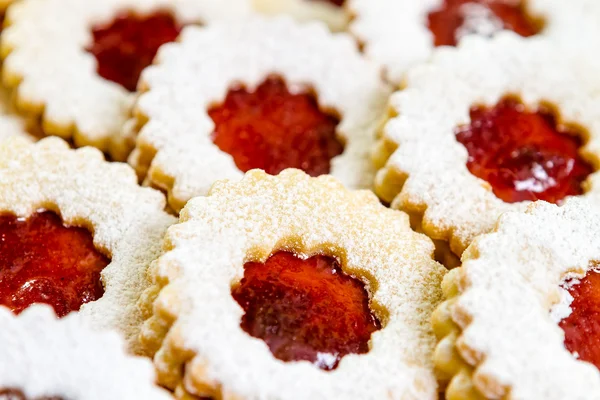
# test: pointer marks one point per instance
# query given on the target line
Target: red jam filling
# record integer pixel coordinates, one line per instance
(305, 309)
(43, 261)
(524, 155)
(273, 129)
(129, 43)
(582, 326)
(457, 17)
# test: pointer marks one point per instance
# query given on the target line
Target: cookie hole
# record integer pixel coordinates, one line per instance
(273, 128)
(525, 154)
(44, 261)
(581, 326)
(14, 394)
(454, 19)
(305, 309)
(126, 45)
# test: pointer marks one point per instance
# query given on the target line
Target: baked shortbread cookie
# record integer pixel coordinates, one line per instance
(78, 233)
(4, 5)
(10, 123)
(292, 287)
(49, 359)
(500, 328)
(265, 93)
(469, 140)
(399, 34)
(75, 64)
(331, 12)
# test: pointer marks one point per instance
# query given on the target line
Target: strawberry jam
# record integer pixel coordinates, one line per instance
(271, 129)
(43, 261)
(524, 155)
(305, 309)
(456, 18)
(126, 46)
(582, 326)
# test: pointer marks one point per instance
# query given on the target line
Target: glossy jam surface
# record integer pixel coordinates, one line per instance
(305, 309)
(11, 394)
(582, 326)
(524, 155)
(456, 18)
(42, 261)
(129, 43)
(272, 129)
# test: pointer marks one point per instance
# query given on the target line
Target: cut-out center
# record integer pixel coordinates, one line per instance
(524, 155)
(43, 261)
(457, 18)
(582, 326)
(305, 309)
(129, 43)
(273, 129)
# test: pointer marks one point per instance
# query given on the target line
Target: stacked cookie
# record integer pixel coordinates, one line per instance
(299, 199)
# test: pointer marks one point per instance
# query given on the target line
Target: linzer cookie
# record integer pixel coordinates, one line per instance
(521, 316)
(293, 287)
(78, 233)
(10, 123)
(75, 65)
(486, 128)
(265, 93)
(332, 12)
(44, 358)
(399, 34)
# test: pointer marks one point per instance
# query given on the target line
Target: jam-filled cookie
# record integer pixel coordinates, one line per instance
(78, 233)
(332, 12)
(293, 287)
(485, 128)
(265, 93)
(521, 316)
(10, 123)
(45, 358)
(75, 65)
(399, 34)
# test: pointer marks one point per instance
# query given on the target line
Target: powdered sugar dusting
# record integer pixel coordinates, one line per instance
(46, 62)
(562, 309)
(396, 36)
(249, 220)
(127, 221)
(457, 206)
(10, 123)
(42, 356)
(478, 20)
(174, 147)
(326, 360)
(510, 301)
